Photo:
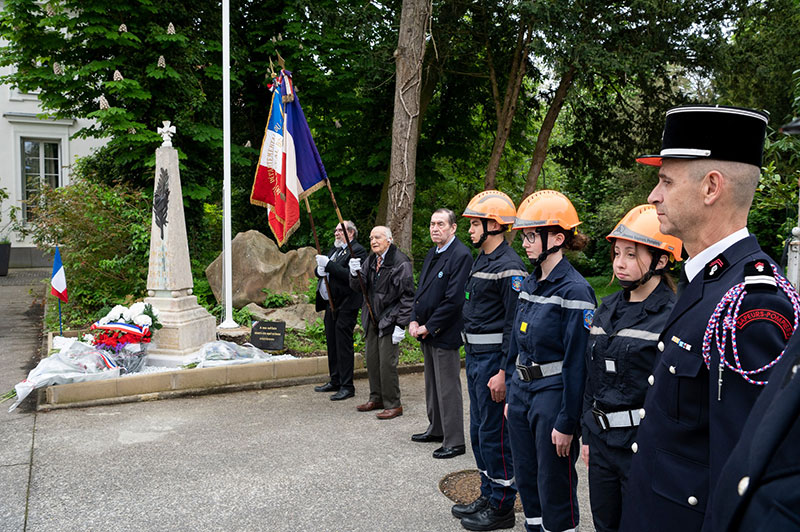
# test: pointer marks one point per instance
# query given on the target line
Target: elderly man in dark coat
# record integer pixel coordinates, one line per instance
(389, 282)
(437, 321)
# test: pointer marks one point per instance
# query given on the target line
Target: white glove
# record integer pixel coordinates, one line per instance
(321, 271)
(355, 266)
(322, 261)
(398, 334)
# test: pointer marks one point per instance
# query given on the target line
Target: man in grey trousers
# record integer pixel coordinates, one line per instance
(437, 322)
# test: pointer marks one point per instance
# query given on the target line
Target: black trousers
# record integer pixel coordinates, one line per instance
(339, 328)
(608, 474)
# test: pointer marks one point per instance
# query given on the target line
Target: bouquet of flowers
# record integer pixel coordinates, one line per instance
(123, 331)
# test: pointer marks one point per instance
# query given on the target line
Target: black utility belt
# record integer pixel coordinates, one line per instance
(539, 371)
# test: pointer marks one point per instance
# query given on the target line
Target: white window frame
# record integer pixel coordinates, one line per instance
(30, 126)
(41, 170)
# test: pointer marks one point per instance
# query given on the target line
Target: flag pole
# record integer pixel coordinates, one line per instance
(227, 282)
(350, 248)
(60, 328)
(316, 242)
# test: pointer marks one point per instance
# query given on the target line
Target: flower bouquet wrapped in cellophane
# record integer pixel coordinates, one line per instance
(125, 332)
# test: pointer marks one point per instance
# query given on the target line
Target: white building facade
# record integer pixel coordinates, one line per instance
(34, 150)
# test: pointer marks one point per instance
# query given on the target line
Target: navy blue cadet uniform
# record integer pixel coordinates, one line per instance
(692, 423)
(759, 486)
(491, 297)
(551, 329)
(619, 358)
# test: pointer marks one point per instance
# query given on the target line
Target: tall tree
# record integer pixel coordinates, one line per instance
(405, 128)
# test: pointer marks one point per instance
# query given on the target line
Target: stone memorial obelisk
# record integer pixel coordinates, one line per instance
(186, 325)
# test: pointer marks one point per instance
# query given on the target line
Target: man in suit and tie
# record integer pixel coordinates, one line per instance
(341, 304)
(436, 320)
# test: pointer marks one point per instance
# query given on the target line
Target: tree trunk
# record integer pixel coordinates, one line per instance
(405, 127)
(505, 111)
(542, 141)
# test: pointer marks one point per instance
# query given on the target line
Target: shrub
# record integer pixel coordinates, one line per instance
(103, 232)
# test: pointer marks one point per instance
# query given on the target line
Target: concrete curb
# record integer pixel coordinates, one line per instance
(189, 382)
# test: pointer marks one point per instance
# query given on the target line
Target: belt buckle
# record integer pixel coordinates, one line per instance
(601, 419)
(536, 371)
(523, 373)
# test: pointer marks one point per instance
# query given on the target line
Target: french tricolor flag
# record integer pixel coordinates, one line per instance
(289, 167)
(58, 282)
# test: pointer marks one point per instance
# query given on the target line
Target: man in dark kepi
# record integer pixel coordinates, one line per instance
(759, 486)
(436, 320)
(731, 321)
(341, 320)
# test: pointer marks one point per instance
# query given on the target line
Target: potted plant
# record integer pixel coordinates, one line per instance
(5, 228)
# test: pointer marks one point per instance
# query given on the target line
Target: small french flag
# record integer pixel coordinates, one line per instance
(59, 281)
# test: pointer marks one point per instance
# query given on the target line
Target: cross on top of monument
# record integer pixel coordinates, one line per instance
(166, 133)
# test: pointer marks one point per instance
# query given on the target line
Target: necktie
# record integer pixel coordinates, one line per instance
(683, 281)
(378, 262)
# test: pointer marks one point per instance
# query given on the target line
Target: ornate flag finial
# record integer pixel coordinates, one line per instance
(166, 133)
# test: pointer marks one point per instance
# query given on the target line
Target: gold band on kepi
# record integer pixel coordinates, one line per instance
(712, 132)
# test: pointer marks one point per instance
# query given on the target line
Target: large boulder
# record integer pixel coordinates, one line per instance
(259, 264)
(295, 316)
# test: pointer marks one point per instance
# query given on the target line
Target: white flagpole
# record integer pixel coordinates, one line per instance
(228, 322)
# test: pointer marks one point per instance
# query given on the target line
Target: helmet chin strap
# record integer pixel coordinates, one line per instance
(486, 232)
(537, 262)
(630, 286)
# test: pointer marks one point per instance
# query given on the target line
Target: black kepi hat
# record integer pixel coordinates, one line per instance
(712, 132)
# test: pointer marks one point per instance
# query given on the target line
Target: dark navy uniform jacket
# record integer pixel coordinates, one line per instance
(551, 324)
(620, 356)
(688, 433)
(493, 284)
(759, 486)
(440, 295)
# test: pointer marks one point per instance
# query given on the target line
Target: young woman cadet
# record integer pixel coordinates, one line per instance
(551, 329)
(621, 355)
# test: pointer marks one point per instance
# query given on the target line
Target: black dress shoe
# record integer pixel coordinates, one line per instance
(426, 438)
(327, 387)
(489, 519)
(342, 394)
(463, 510)
(449, 452)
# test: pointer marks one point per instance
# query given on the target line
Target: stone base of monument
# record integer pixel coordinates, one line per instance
(186, 328)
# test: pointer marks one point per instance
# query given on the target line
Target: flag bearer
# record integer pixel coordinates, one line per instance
(491, 296)
(550, 333)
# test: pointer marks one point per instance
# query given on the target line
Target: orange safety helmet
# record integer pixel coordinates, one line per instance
(641, 225)
(546, 208)
(492, 205)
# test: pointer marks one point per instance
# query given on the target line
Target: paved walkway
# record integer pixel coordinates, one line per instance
(284, 459)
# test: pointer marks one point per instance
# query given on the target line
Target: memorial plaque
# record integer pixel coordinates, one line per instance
(268, 335)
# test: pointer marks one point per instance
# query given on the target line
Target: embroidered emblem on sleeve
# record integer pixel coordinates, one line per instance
(588, 316)
(516, 283)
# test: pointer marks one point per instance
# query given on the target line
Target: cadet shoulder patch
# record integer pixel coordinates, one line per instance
(588, 317)
(516, 283)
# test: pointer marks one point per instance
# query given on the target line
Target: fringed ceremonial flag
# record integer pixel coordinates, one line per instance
(289, 167)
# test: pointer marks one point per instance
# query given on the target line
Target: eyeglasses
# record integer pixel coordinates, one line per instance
(530, 237)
